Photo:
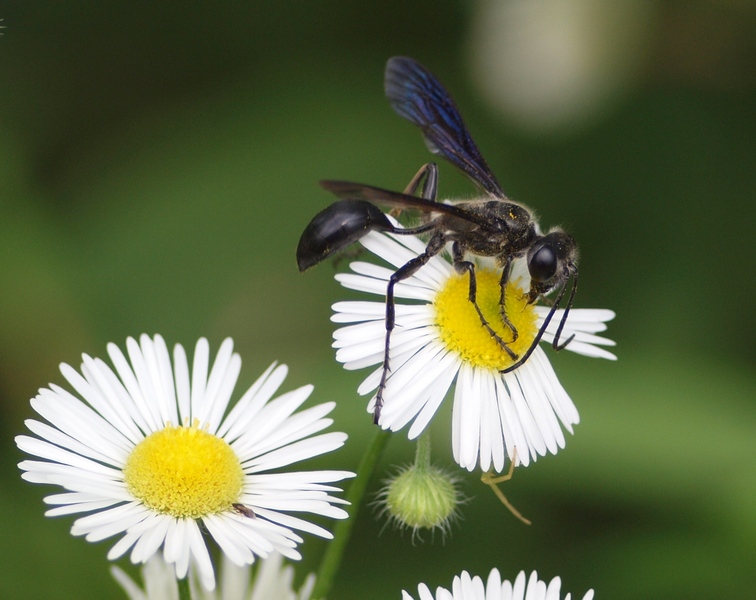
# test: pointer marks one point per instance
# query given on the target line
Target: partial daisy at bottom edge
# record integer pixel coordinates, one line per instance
(268, 579)
(465, 587)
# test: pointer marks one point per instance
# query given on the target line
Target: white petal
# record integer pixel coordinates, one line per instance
(151, 540)
(164, 377)
(199, 374)
(200, 557)
(361, 311)
(538, 403)
(227, 534)
(183, 387)
(493, 586)
(216, 394)
(532, 436)
(145, 412)
(146, 371)
(296, 452)
(301, 425)
(466, 418)
(448, 367)
(252, 402)
(110, 399)
(406, 386)
(514, 435)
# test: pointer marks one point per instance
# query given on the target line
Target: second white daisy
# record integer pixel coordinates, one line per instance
(438, 340)
(151, 454)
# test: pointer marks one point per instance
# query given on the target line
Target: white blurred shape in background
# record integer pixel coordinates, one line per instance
(555, 66)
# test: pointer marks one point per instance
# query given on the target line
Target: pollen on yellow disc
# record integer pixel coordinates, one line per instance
(461, 328)
(184, 472)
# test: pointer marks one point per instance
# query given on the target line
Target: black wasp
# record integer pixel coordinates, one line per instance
(492, 225)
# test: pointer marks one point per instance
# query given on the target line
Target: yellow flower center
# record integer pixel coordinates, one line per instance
(461, 328)
(184, 472)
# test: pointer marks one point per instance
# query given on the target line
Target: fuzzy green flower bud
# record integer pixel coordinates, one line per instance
(421, 498)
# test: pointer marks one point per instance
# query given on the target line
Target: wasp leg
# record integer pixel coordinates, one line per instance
(429, 171)
(435, 245)
(428, 174)
(462, 266)
(505, 273)
(492, 481)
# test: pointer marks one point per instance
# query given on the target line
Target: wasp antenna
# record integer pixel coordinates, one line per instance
(541, 331)
(556, 345)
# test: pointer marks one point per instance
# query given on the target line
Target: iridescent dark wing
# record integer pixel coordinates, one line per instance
(416, 94)
(348, 190)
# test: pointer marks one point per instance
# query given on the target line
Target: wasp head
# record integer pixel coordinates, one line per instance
(551, 261)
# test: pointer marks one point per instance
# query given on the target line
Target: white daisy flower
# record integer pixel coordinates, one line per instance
(152, 453)
(438, 339)
(271, 579)
(473, 588)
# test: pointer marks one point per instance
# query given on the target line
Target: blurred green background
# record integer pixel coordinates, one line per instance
(158, 162)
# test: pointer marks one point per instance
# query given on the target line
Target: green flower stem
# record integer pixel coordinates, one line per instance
(183, 589)
(331, 562)
(423, 452)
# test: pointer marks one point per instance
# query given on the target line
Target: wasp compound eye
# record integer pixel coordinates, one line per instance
(543, 263)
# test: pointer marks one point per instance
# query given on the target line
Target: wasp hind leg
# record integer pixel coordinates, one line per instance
(428, 175)
(435, 245)
(428, 172)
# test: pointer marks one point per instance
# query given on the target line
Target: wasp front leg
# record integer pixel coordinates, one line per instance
(505, 273)
(465, 266)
